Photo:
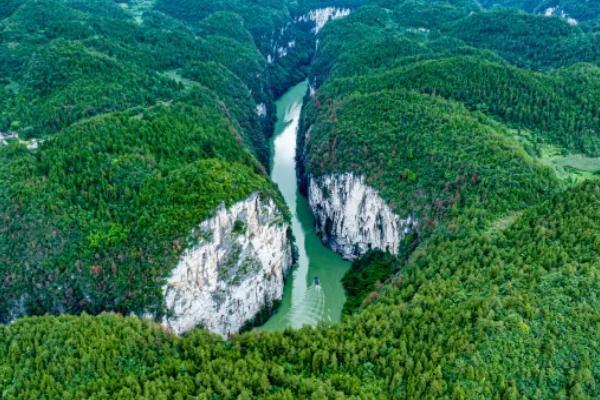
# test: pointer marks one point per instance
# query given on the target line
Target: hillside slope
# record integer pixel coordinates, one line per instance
(123, 133)
(507, 315)
(459, 143)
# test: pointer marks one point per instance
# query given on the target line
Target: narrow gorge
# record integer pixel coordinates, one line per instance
(342, 219)
(304, 301)
(233, 273)
(187, 228)
(299, 199)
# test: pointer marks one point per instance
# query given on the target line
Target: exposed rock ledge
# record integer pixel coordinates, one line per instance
(236, 268)
(352, 218)
(321, 16)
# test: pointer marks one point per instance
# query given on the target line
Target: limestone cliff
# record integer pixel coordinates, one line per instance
(236, 268)
(321, 16)
(352, 218)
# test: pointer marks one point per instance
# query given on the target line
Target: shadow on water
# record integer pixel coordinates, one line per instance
(304, 302)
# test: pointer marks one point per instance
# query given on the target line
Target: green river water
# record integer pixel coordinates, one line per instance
(304, 303)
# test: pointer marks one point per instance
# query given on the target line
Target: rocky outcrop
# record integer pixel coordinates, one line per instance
(321, 16)
(261, 110)
(234, 271)
(557, 11)
(352, 218)
(5, 137)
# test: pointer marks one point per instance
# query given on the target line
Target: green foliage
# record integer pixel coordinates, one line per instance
(65, 60)
(239, 227)
(527, 40)
(428, 14)
(428, 158)
(245, 62)
(433, 159)
(66, 82)
(98, 212)
(372, 38)
(477, 317)
(9, 6)
(144, 120)
(579, 10)
(145, 112)
(365, 276)
(561, 107)
(266, 22)
(341, 37)
(223, 23)
(237, 98)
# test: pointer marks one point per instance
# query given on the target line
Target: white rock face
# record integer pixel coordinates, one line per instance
(261, 110)
(552, 11)
(322, 16)
(283, 51)
(572, 21)
(352, 218)
(32, 144)
(236, 268)
(5, 136)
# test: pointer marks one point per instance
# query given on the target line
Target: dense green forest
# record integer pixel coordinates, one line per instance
(136, 119)
(129, 109)
(419, 151)
(97, 211)
(580, 10)
(560, 107)
(457, 133)
(388, 59)
(540, 43)
(503, 314)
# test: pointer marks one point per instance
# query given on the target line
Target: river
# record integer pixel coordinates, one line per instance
(304, 302)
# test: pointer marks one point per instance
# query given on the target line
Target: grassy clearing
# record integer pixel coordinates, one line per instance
(569, 167)
(176, 76)
(501, 224)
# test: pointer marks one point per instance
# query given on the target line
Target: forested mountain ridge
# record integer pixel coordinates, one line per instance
(137, 120)
(107, 215)
(541, 42)
(403, 129)
(560, 107)
(573, 10)
(366, 115)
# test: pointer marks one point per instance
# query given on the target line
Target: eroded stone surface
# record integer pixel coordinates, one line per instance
(236, 268)
(352, 218)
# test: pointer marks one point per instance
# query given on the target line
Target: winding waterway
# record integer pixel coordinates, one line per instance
(304, 302)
